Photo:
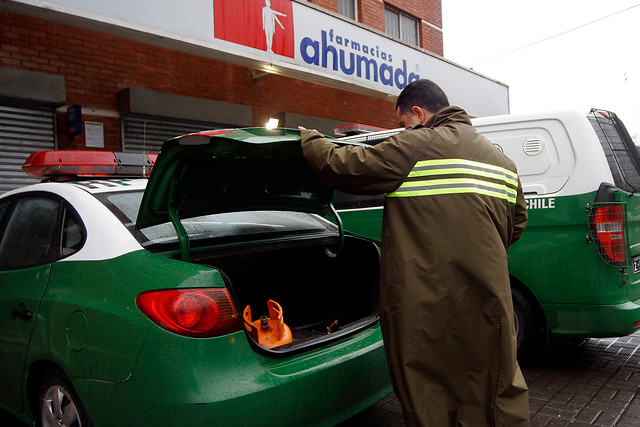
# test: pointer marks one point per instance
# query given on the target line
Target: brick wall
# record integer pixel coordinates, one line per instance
(371, 14)
(431, 39)
(429, 10)
(97, 66)
(331, 5)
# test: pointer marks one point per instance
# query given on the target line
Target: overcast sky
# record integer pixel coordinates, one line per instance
(553, 54)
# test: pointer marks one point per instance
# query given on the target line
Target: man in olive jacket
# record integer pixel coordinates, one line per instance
(453, 207)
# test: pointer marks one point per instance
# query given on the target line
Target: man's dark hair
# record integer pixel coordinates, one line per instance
(423, 93)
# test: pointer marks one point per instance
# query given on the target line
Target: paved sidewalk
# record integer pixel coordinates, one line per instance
(594, 382)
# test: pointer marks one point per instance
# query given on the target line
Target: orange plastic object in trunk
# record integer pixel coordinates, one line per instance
(270, 331)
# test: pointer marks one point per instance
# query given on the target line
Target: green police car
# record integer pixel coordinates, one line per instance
(164, 301)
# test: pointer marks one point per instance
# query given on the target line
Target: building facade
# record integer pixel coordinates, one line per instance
(127, 75)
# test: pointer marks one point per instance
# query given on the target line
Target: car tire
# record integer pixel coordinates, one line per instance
(58, 403)
(525, 323)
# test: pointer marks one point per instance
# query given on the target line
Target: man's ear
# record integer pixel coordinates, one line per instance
(419, 112)
(423, 115)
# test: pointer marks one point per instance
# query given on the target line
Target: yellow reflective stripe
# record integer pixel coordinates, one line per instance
(454, 186)
(452, 191)
(461, 166)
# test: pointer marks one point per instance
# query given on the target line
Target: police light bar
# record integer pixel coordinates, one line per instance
(71, 163)
(355, 129)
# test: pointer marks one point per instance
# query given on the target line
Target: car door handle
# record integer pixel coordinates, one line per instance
(21, 314)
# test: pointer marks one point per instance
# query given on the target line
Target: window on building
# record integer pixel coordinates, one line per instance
(402, 26)
(347, 8)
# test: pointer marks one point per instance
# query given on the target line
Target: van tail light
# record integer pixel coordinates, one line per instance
(608, 230)
(201, 313)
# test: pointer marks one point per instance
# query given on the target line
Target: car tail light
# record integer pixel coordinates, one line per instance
(201, 313)
(608, 227)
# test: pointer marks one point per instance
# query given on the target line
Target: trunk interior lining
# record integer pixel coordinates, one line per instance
(313, 286)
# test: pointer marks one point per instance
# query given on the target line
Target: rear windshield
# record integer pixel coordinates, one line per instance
(621, 152)
(223, 228)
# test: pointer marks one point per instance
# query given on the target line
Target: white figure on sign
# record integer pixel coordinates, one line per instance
(269, 19)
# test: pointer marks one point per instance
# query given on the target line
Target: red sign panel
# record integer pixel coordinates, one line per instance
(261, 24)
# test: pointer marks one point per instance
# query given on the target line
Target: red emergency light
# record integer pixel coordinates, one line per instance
(71, 163)
(603, 113)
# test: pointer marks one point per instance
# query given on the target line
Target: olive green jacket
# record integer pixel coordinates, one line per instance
(454, 205)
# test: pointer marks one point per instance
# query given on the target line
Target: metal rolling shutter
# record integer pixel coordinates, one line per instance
(146, 134)
(22, 131)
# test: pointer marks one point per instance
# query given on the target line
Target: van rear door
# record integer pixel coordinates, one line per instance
(615, 215)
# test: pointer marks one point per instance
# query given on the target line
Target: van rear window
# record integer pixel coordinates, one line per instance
(622, 154)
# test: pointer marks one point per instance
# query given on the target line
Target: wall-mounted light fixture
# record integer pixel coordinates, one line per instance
(264, 71)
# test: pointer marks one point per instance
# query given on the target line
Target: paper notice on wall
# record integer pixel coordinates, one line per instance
(94, 134)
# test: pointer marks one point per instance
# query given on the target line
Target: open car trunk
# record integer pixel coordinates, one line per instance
(323, 295)
(319, 295)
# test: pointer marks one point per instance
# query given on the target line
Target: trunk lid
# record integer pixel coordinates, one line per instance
(231, 170)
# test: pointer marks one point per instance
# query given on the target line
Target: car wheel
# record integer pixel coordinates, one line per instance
(525, 323)
(59, 405)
